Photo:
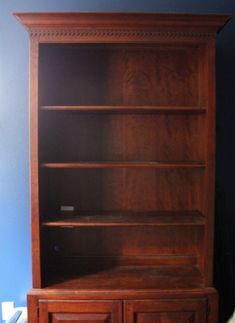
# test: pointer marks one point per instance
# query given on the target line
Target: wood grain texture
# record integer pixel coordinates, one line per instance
(80, 311)
(118, 75)
(213, 300)
(32, 308)
(169, 317)
(206, 22)
(125, 109)
(136, 277)
(81, 318)
(129, 164)
(210, 156)
(123, 189)
(107, 137)
(120, 246)
(187, 311)
(34, 176)
(122, 128)
(162, 296)
(122, 241)
(77, 261)
(157, 218)
(72, 294)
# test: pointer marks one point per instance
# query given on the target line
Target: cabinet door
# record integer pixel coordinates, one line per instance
(165, 311)
(80, 311)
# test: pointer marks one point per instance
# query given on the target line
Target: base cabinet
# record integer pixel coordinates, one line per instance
(80, 311)
(167, 311)
(128, 311)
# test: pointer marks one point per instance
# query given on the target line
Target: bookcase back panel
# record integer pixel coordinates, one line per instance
(123, 241)
(121, 137)
(68, 248)
(118, 74)
(122, 189)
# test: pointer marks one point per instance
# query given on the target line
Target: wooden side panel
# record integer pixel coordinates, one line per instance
(210, 157)
(34, 185)
(79, 311)
(165, 311)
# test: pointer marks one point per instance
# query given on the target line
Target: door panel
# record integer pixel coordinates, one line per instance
(165, 311)
(80, 311)
(165, 318)
(81, 318)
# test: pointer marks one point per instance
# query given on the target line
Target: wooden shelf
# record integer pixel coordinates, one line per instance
(126, 164)
(131, 278)
(123, 109)
(112, 219)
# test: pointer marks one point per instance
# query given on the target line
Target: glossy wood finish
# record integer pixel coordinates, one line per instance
(77, 255)
(118, 74)
(163, 296)
(93, 294)
(82, 318)
(122, 110)
(171, 311)
(34, 175)
(132, 189)
(165, 317)
(53, 20)
(106, 261)
(210, 156)
(79, 312)
(127, 219)
(123, 240)
(133, 164)
(121, 137)
(130, 278)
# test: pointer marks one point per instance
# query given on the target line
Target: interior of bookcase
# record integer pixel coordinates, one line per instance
(121, 165)
(119, 74)
(162, 137)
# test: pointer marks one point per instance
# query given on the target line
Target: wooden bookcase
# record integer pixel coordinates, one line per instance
(122, 115)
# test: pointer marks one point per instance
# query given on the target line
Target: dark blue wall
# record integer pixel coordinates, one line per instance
(15, 263)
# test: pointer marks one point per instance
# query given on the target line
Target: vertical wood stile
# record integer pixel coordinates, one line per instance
(34, 178)
(210, 157)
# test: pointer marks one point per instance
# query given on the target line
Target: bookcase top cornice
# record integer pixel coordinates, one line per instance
(154, 21)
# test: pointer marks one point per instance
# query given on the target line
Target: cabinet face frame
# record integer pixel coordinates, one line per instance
(208, 78)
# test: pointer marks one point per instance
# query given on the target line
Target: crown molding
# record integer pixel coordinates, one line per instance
(54, 33)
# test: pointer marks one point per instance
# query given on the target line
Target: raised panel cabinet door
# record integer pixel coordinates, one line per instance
(80, 311)
(165, 311)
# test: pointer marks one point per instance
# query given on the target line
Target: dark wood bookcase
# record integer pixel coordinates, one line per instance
(122, 125)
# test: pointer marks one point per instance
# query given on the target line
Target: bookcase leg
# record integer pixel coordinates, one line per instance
(213, 307)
